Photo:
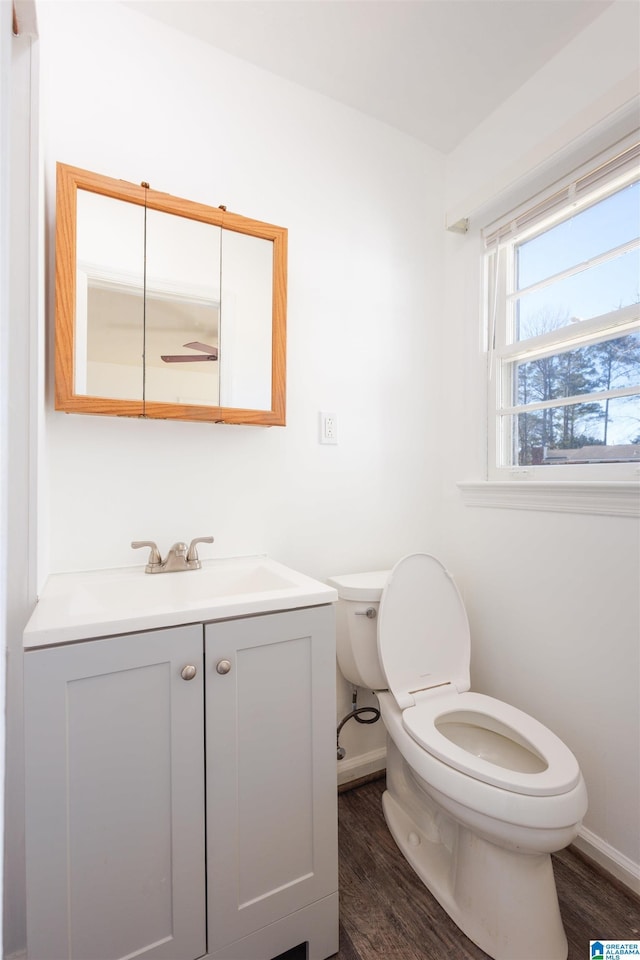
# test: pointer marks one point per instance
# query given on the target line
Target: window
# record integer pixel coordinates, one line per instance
(563, 324)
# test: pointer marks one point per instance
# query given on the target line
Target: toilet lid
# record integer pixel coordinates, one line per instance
(423, 631)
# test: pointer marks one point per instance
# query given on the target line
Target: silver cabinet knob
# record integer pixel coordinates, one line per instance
(188, 672)
(223, 666)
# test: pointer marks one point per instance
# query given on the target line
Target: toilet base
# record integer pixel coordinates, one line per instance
(505, 902)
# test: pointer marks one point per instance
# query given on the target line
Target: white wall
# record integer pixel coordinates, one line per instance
(130, 98)
(591, 78)
(552, 598)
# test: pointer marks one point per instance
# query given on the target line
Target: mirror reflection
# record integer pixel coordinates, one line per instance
(182, 308)
(245, 329)
(108, 361)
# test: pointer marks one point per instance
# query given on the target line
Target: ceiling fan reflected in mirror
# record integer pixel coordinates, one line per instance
(211, 353)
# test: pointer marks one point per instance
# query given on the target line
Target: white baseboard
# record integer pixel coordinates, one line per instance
(361, 766)
(610, 859)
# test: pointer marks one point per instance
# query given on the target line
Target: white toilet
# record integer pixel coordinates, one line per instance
(478, 793)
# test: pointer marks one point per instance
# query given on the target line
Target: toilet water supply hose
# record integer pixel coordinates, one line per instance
(356, 712)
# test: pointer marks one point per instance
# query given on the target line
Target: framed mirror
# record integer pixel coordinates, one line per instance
(166, 308)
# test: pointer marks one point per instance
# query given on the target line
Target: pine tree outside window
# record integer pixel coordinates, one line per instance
(563, 330)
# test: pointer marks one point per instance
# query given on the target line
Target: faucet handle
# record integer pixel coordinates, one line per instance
(154, 557)
(192, 555)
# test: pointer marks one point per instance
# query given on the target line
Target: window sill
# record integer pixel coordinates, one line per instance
(608, 498)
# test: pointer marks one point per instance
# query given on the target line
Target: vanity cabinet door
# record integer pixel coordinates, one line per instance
(271, 774)
(115, 798)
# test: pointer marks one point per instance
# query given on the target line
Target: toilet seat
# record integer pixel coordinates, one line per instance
(561, 774)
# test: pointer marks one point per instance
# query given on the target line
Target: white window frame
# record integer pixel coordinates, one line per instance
(602, 177)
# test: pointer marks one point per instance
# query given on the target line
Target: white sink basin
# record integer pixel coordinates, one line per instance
(77, 606)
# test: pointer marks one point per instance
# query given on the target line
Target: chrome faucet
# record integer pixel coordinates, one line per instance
(179, 558)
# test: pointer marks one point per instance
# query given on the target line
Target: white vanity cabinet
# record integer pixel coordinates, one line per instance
(115, 798)
(130, 764)
(271, 785)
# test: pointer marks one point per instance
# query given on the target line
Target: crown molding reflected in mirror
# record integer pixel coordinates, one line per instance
(166, 308)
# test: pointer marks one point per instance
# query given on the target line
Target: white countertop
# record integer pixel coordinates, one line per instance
(98, 603)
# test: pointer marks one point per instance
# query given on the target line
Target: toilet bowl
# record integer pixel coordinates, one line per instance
(479, 793)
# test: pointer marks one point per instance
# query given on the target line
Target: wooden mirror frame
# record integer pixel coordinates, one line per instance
(71, 179)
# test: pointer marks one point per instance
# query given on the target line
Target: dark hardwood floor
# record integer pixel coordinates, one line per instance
(386, 913)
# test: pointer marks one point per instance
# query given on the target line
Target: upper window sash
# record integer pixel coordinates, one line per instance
(603, 257)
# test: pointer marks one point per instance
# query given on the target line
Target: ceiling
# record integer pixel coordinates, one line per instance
(431, 68)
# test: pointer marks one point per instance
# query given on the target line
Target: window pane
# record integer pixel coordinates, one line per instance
(605, 225)
(605, 431)
(590, 293)
(611, 365)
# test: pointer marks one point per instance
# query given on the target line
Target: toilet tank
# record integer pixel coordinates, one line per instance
(357, 633)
